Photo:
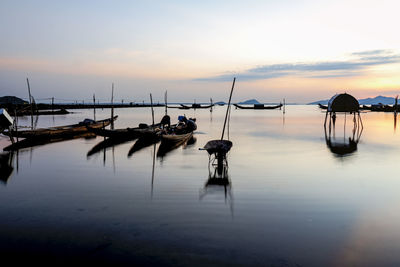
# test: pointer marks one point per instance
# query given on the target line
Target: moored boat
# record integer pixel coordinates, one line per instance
(258, 106)
(62, 131)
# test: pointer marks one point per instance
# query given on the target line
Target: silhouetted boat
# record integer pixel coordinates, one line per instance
(322, 106)
(61, 131)
(26, 112)
(171, 142)
(176, 136)
(126, 132)
(195, 106)
(258, 106)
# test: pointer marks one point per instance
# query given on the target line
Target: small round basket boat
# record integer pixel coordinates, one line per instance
(218, 146)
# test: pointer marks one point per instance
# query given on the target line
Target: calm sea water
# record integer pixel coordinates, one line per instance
(288, 200)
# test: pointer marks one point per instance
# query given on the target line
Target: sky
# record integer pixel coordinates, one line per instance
(298, 50)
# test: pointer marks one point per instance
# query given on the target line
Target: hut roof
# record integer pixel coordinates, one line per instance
(343, 103)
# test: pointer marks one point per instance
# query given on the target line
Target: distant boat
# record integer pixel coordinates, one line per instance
(258, 106)
(322, 106)
(195, 106)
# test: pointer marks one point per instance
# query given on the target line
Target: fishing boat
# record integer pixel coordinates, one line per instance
(61, 131)
(258, 106)
(176, 136)
(195, 106)
(125, 133)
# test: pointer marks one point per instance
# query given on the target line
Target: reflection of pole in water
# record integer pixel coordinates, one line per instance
(152, 172)
(395, 121)
(113, 157)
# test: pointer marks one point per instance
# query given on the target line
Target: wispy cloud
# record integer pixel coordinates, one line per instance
(324, 69)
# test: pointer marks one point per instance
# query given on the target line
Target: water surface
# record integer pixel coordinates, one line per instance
(290, 200)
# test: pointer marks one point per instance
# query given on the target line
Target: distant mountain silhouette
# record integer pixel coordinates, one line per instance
(249, 102)
(366, 101)
(12, 100)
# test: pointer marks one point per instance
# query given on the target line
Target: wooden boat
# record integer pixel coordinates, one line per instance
(43, 112)
(125, 133)
(170, 142)
(258, 106)
(195, 106)
(61, 131)
(175, 137)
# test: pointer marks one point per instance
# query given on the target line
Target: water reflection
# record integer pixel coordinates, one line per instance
(6, 166)
(342, 146)
(218, 181)
(34, 142)
(166, 147)
(107, 143)
(143, 142)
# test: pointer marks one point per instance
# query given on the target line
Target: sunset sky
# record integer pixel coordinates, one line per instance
(298, 50)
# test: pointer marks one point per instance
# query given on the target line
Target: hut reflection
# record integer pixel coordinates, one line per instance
(346, 144)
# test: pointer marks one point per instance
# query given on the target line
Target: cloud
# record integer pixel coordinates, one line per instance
(324, 69)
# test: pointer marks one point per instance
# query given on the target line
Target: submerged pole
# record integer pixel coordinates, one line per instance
(227, 110)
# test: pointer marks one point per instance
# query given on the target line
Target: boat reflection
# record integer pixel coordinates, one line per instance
(166, 147)
(6, 166)
(34, 142)
(107, 143)
(143, 142)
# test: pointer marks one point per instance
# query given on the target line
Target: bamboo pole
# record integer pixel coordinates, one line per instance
(94, 106)
(166, 102)
(30, 101)
(152, 110)
(112, 106)
(227, 110)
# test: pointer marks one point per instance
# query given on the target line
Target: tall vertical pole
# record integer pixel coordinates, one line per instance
(227, 110)
(112, 106)
(166, 103)
(152, 110)
(30, 102)
(284, 106)
(94, 106)
(52, 103)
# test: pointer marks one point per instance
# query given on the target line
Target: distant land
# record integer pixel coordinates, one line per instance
(366, 101)
(249, 102)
